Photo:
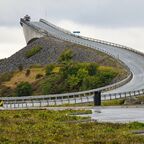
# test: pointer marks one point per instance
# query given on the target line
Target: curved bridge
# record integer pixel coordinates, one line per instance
(133, 60)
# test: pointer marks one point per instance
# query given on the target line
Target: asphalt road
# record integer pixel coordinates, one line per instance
(117, 114)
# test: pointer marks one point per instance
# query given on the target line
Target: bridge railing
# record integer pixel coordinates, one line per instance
(123, 95)
(92, 39)
(54, 26)
(83, 37)
(71, 99)
(114, 45)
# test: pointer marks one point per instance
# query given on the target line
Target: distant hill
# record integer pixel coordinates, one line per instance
(46, 50)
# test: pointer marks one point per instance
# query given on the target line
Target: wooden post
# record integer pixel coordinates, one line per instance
(97, 98)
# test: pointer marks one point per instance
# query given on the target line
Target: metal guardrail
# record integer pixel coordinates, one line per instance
(54, 26)
(114, 45)
(71, 99)
(92, 39)
(123, 95)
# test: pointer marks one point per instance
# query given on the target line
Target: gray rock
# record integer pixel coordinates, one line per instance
(52, 49)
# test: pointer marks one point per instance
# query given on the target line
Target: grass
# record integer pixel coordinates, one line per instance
(56, 70)
(81, 112)
(116, 102)
(21, 77)
(56, 127)
(141, 98)
(113, 102)
(5, 77)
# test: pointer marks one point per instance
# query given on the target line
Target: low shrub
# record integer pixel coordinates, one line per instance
(36, 66)
(53, 84)
(33, 51)
(66, 56)
(6, 77)
(113, 102)
(6, 91)
(73, 77)
(27, 72)
(20, 67)
(38, 76)
(23, 89)
(49, 69)
(136, 125)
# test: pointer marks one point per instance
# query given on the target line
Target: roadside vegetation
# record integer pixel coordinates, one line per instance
(5, 77)
(58, 127)
(34, 50)
(63, 77)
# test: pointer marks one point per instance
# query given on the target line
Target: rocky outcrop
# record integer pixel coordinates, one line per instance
(52, 49)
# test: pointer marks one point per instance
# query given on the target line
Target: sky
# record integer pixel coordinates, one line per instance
(119, 21)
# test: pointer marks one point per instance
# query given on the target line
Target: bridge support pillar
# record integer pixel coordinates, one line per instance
(97, 98)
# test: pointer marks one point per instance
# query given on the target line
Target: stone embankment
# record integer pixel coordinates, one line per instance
(51, 50)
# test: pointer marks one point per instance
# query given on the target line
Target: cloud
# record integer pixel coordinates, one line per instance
(11, 40)
(7, 49)
(120, 21)
(102, 13)
(11, 35)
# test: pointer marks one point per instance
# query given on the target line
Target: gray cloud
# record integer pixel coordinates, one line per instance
(102, 13)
